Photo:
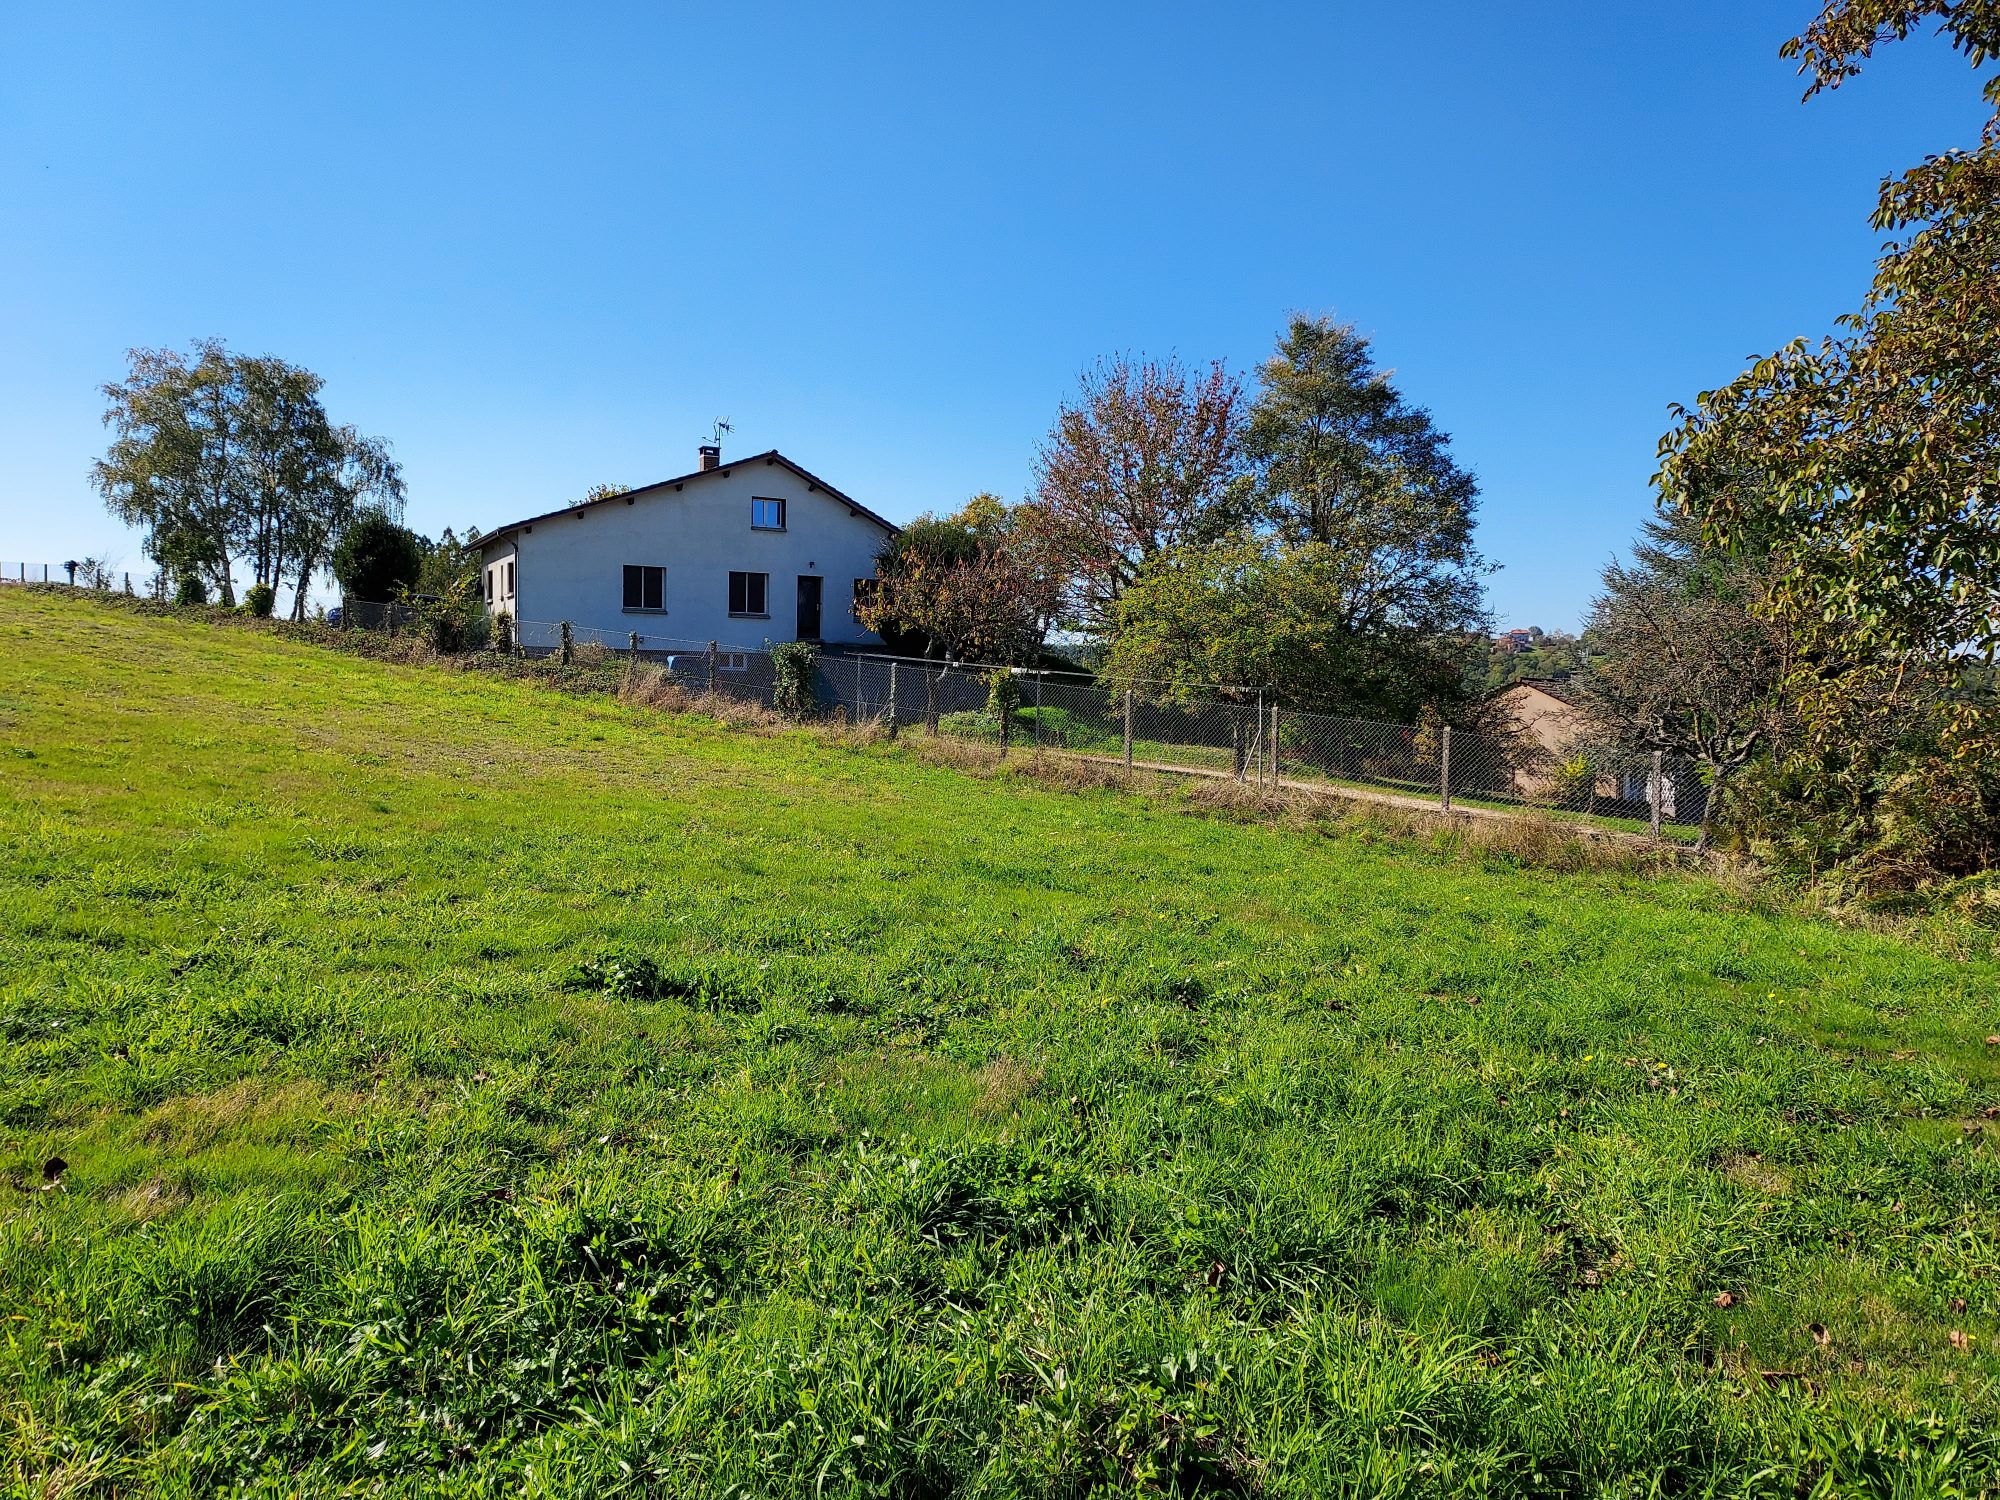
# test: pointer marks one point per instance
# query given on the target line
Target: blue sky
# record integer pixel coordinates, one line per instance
(543, 246)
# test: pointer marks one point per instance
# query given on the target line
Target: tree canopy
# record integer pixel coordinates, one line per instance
(378, 560)
(1144, 458)
(1868, 461)
(965, 587)
(1341, 459)
(222, 458)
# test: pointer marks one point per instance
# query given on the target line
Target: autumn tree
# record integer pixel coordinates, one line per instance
(960, 588)
(1144, 458)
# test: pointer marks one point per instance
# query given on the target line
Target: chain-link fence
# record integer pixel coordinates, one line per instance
(1238, 733)
(1226, 732)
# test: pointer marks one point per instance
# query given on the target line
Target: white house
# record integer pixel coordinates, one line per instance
(740, 553)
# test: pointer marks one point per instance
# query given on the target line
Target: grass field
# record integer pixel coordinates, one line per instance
(466, 1088)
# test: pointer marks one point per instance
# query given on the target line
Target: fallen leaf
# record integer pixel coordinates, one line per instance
(53, 1168)
(1994, 1040)
(1960, 1339)
(1958, 1304)
(1216, 1273)
(1725, 1299)
(1819, 1333)
(1776, 1377)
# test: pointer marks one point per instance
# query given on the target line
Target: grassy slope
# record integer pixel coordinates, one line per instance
(991, 1140)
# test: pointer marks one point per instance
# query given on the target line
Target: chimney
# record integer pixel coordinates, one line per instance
(711, 456)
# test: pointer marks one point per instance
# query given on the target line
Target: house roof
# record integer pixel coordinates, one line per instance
(1555, 688)
(771, 456)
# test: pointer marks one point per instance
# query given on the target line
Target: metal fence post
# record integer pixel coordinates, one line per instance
(857, 690)
(711, 669)
(1444, 771)
(1038, 709)
(1656, 794)
(1277, 766)
(892, 700)
(635, 645)
(1128, 729)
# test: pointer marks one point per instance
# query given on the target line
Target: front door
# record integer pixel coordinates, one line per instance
(809, 586)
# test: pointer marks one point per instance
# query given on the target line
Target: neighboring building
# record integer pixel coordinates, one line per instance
(1547, 711)
(740, 553)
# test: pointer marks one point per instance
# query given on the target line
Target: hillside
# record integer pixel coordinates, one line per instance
(465, 1088)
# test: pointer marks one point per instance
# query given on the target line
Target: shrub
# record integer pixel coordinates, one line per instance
(190, 590)
(792, 688)
(623, 976)
(259, 600)
(452, 625)
(377, 559)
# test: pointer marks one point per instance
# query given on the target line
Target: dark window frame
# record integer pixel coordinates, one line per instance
(742, 596)
(645, 591)
(757, 500)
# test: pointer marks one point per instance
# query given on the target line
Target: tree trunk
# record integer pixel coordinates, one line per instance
(1708, 811)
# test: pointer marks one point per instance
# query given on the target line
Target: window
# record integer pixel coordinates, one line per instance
(732, 661)
(866, 591)
(646, 588)
(510, 577)
(489, 584)
(750, 593)
(767, 515)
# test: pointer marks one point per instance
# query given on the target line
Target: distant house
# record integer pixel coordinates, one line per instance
(740, 553)
(1547, 710)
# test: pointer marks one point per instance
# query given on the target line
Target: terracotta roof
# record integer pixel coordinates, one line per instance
(772, 456)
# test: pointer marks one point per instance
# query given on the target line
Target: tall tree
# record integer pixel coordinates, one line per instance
(1342, 460)
(1689, 662)
(1143, 459)
(221, 457)
(173, 467)
(1869, 461)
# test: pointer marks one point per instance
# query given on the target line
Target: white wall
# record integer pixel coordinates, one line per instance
(572, 565)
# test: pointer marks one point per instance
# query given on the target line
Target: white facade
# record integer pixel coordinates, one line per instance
(678, 561)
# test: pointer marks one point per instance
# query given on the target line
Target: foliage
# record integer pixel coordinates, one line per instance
(1258, 612)
(219, 455)
(623, 976)
(964, 585)
(378, 560)
(606, 491)
(190, 590)
(260, 599)
(792, 664)
(1865, 462)
(1343, 461)
(1690, 661)
(1145, 458)
(1044, 1142)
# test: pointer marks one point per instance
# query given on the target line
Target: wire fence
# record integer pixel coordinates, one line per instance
(87, 573)
(1242, 734)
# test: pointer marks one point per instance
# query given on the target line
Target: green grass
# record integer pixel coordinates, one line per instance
(929, 1135)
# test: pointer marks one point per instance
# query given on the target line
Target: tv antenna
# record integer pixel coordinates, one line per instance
(715, 433)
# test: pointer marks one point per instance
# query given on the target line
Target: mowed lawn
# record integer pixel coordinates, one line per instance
(923, 1135)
